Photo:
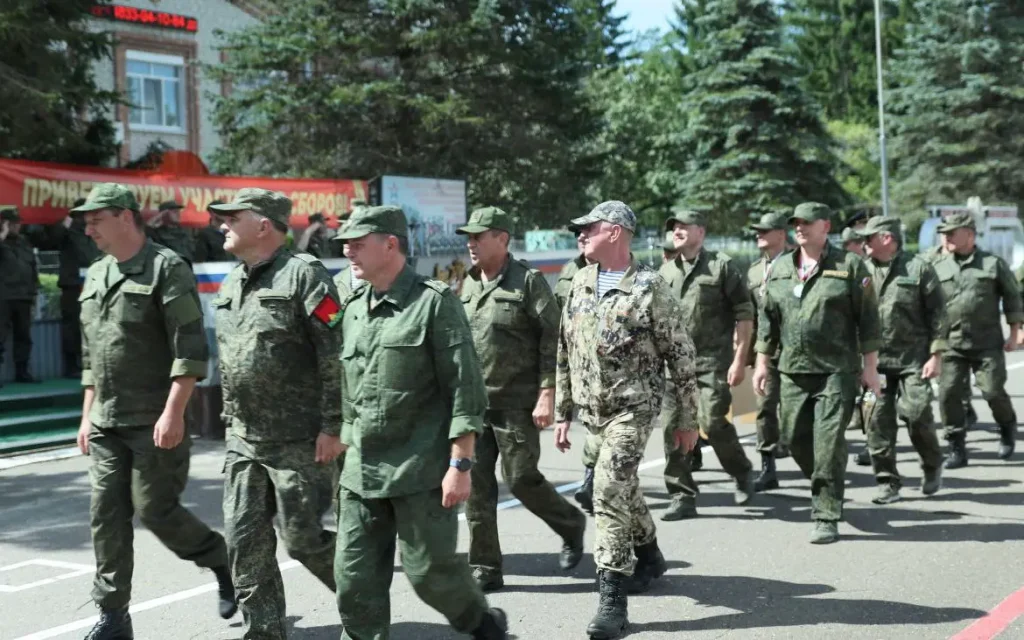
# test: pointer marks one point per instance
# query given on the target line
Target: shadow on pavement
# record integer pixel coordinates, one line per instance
(763, 603)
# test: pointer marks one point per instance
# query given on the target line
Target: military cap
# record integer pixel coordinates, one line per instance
(271, 204)
(810, 212)
(10, 214)
(855, 218)
(388, 219)
(169, 205)
(955, 221)
(212, 203)
(487, 218)
(849, 234)
(109, 195)
(771, 222)
(880, 224)
(612, 211)
(686, 216)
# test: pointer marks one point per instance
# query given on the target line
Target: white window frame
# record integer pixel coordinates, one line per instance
(132, 55)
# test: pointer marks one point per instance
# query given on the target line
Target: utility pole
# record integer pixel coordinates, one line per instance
(881, 108)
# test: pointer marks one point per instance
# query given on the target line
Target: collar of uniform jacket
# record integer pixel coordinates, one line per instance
(136, 264)
(398, 293)
(475, 272)
(625, 285)
(827, 257)
(256, 269)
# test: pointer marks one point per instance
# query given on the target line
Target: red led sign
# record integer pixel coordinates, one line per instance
(145, 17)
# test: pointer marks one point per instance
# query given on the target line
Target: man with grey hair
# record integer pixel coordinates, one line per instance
(621, 331)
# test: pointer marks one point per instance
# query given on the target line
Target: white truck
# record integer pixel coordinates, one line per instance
(999, 229)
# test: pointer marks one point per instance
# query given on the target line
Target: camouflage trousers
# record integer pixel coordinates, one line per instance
(712, 407)
(906, 397)
(621, 516)
(512, 435)
(814, 411)
(263, 480)
(989, 367)
(129, 474)
(768, 412)
(591, 449)
(427, 538)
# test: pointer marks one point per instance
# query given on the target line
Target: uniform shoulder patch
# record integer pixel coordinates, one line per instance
(328, 311)
(308, 258)
(437, 286)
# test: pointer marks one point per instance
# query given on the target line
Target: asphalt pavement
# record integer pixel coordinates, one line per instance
(947, 566)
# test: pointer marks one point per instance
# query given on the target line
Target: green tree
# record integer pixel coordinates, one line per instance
(860, 171)
(959, 108)
(492, 91)
(52, 108)
(754, 137)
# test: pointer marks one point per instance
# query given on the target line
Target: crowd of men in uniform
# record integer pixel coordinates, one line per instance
(435, 387)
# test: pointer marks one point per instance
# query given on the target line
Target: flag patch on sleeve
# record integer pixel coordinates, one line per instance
(328, 311)
(865, 282)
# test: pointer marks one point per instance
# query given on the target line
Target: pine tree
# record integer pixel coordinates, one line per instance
(755, 138)
(959, 110)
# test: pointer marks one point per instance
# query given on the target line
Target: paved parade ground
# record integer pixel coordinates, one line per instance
(950, 566)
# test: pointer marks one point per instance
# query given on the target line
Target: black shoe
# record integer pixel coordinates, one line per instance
(225, 593)
(572, 550)
(114, 624)
(957, 457)
(611, 620)
(585, 494)
(650, 565)
(697, 461)
(767, 478)
(494, 626)
(680, 509)
(488, 580)
(1007, 440)
(863, 457)
(25, 377)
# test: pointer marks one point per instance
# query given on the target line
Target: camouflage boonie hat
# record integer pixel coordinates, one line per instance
(387, 219)
(10, 214)
(686, 216)
(849, 234)
(271, 204)
(810, 212)
(955, 221)
(771, 222)
(169, 205)
(109, 195)
(485, 219)
(612, 211)
(880, 224)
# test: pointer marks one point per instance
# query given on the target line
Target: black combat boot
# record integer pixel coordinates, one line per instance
(650, 565)
(697, 461)
(225, 593)
(957, 457)
(767, 479)
(610, 621)
(585, 494)
(114, 624)
(1007, 440)
(494, 626)
(863, 457)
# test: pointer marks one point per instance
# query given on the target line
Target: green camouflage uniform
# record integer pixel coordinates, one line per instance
(279, 347)
(142, 326)
(818, 334)
(514, 319)
(412, 384)
(613, 355)
(912, 317)
(767, 422)
(714, 297)
(19, 286)
(974, 286)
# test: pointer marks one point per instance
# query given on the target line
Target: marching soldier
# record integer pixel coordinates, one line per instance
(19, 287)
(621, 332)
(820, 315)
(715, 302)
(912, 316)
(975, 282)
(142, 320)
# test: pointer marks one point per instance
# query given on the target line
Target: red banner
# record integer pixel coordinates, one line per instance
(44, 191)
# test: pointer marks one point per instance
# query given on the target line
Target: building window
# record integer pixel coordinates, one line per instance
(156, 87)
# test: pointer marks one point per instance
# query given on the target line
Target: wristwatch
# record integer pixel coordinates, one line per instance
(462, 464)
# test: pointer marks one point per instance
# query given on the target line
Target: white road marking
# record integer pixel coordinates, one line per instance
(75, 571)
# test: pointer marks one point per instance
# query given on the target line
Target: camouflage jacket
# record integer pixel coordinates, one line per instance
(514, 320)
(974, 287)
(613, 353)
(565, 277)
(19, 274)
(911, 312)
(714, 297)
(819, 330)
(279, 345)
(176, 239)
(412, 384)
(142, 325)
(756, 284)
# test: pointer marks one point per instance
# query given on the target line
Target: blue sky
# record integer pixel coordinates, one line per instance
(646, 14)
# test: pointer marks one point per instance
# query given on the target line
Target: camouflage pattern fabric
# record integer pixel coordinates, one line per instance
(145, 305)
(906, 397)
(767, 420)
(989, 367)
(565, 276)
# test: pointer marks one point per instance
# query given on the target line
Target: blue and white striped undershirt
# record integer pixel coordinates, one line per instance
(607, 280)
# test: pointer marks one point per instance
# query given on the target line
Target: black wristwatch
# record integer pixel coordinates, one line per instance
(462, 464)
